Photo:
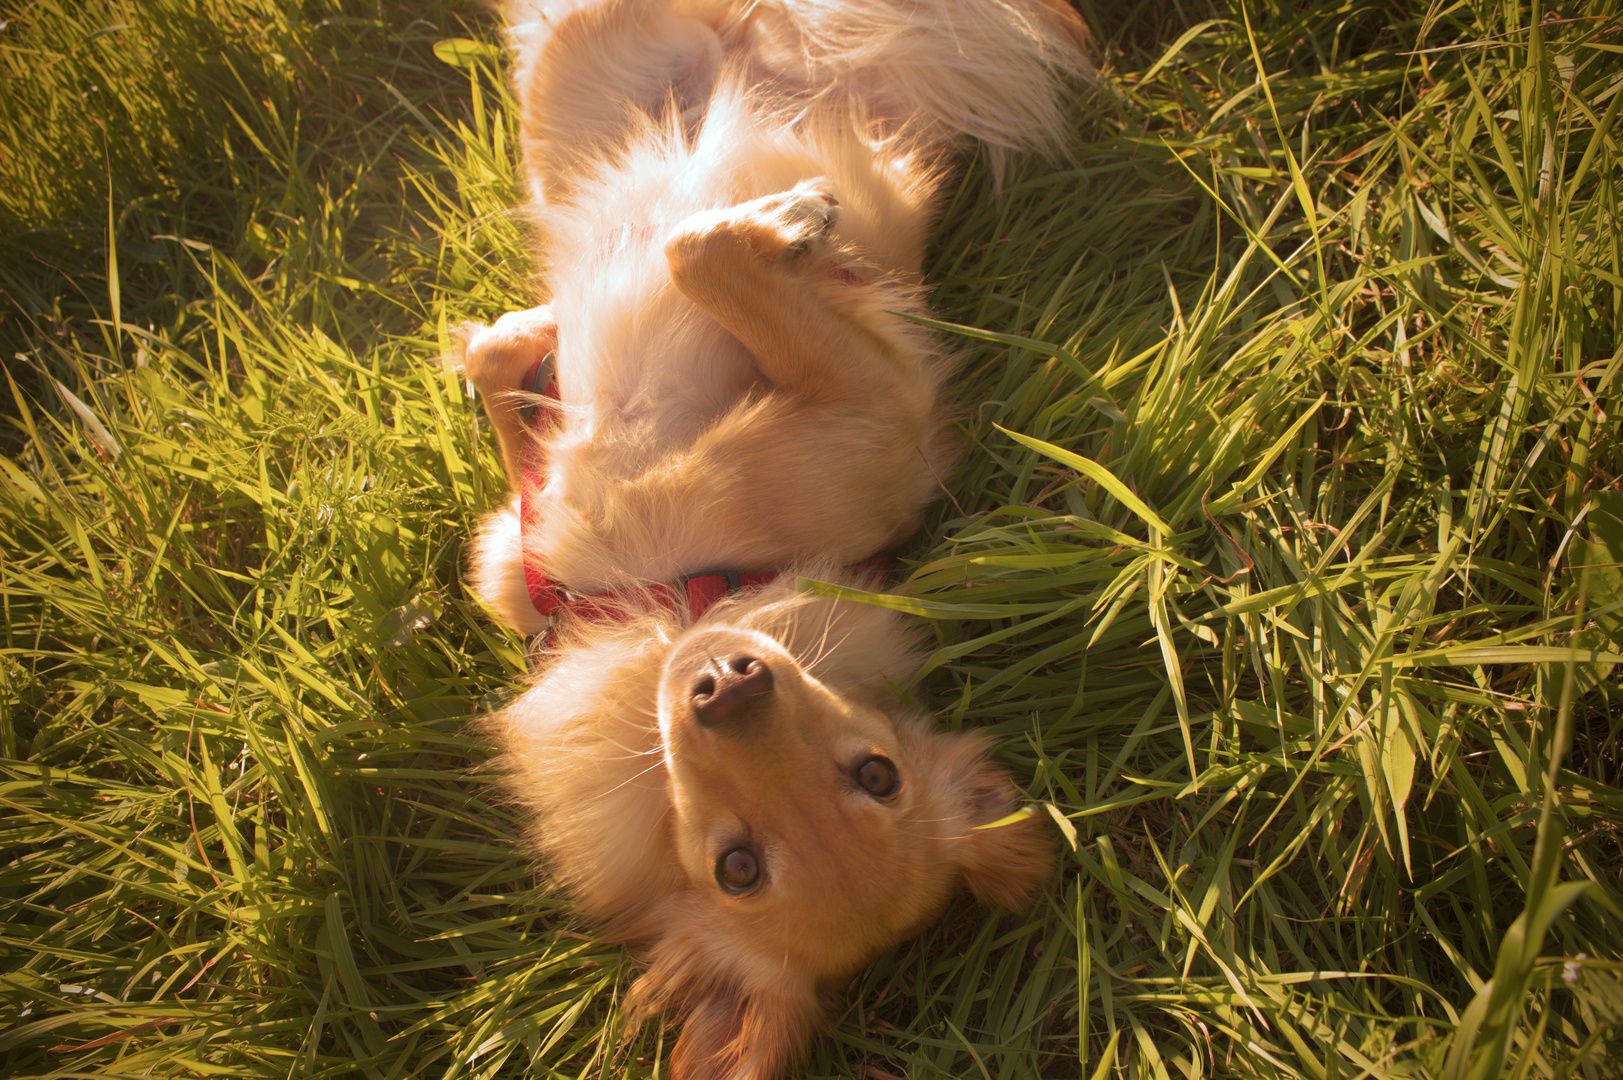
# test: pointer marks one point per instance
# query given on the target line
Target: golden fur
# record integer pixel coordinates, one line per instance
(733, 201)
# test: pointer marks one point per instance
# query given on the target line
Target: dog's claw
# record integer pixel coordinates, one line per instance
(784, 227)
(809, 214)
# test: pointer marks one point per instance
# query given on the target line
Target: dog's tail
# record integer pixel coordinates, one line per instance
(927, 71)
(992, 69)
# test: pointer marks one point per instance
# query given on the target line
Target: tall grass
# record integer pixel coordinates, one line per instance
(1284, 561)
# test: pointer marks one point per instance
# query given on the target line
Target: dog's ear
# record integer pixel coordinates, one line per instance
(730, 1030)
(1006, 863)
(732, 1036)
(1002, 864)
(707, 1047)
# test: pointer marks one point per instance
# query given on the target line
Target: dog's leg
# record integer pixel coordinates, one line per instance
(759, 269)
(605, 71)
(496, 359)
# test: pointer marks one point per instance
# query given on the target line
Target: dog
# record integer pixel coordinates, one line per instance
(722, 393)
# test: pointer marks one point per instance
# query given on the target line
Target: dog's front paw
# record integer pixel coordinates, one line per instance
(784, 227)
(800, 220)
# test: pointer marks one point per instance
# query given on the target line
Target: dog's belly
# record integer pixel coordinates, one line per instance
(635, 358)
(639, 487)
(650, 378)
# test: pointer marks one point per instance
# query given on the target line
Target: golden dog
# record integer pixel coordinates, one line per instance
(733, 200)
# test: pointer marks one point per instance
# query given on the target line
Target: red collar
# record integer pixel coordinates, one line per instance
(697, 592)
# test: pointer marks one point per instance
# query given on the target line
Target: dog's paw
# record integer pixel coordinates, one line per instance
(495, 358)
(800, 219)
(783, 227)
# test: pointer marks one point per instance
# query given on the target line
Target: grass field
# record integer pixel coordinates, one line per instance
(1284, 561)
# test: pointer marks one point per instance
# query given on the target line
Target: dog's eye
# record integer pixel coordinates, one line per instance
(738, 871)
(877, 776)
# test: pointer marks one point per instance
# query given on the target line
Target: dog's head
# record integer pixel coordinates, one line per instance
(750, 797)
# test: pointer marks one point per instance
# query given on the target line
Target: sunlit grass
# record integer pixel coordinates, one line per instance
(1283, 561)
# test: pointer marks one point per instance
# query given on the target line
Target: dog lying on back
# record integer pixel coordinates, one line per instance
(733, 200)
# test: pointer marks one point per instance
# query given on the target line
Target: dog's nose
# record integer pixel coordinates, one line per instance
(729, 690)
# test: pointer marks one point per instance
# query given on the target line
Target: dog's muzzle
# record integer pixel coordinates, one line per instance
(729, 686)
(730, 691)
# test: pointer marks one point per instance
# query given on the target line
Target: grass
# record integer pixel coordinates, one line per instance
(1284, 560)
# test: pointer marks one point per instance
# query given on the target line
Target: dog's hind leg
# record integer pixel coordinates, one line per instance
(605, 73)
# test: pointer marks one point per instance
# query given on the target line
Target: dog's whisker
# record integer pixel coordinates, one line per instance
(831, 647)
(824, 646)
(629, 752)
(822, 639)
(632, 778)
(632, 755)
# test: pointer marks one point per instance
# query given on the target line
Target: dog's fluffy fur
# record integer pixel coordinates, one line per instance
(733, 199)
